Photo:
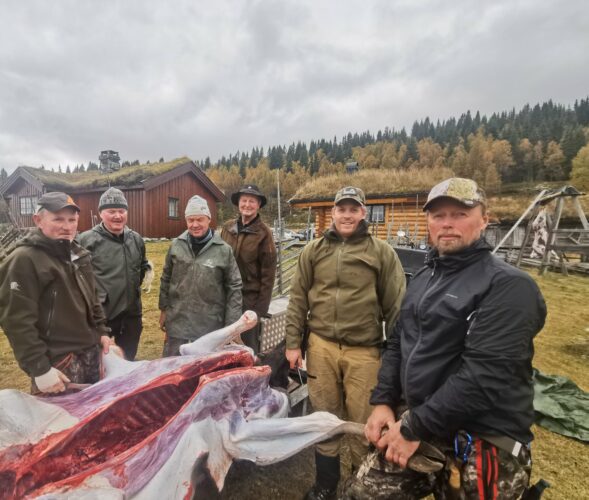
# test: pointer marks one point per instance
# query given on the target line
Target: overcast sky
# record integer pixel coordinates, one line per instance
(184, 77)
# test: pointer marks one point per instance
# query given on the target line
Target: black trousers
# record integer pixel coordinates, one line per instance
(126, 330)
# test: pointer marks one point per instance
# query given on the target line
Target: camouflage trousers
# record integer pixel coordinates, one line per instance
(488, 473)
(83, 367)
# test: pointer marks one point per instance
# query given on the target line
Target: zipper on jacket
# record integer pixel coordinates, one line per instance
(337, 272)
(419, 305)
(51, 310)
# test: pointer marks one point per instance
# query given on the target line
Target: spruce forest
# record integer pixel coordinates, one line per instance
(541, 143)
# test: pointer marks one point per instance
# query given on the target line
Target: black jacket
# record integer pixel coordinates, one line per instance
(461, 353)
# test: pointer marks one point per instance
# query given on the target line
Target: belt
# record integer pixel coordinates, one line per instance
(504, 443)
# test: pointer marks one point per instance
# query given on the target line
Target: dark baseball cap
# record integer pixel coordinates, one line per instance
(465, 191)
(55, 201)
(350, 193)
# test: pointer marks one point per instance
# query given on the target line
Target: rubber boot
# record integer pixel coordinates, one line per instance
(327, 478)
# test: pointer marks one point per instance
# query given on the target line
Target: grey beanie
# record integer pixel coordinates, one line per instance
(112, 198)
(197, 206)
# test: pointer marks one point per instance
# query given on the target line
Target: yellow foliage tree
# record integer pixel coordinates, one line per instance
(580, 171)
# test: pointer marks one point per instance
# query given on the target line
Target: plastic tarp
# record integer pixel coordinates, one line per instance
(561, 406)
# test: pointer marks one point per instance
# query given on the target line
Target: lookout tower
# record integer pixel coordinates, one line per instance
(109, 161)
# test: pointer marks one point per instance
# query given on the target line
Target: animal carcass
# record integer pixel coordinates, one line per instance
(139, 432)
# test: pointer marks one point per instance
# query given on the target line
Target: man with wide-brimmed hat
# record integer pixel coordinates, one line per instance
(200, 287)
(348, 285)
(49, 308)
(460, 361)
(118, 258)
(255, 253)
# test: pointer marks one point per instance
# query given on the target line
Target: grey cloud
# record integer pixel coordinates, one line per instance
(153, 79)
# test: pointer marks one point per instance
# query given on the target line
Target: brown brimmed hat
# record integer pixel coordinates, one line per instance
(465, 191)
(55, 201)
(248, 189)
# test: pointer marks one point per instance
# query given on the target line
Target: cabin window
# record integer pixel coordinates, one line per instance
(173, 208)
(375, 213)
(28, 205)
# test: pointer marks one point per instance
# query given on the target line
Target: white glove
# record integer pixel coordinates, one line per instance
(52, 381)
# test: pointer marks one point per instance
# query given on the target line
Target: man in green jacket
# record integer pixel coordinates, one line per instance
(347, 286)
(118, 258)
(49, 309)
(200, 288)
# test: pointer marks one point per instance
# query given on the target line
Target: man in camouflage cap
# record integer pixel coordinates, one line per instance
(457, 368)
(120, 264)
(347, 285)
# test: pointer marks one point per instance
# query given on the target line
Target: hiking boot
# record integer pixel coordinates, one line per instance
(327, 478)
(318, 493)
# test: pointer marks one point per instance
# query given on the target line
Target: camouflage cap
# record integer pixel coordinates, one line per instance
(55, 201)
(350, 193)
(465, 191)
(112, 198)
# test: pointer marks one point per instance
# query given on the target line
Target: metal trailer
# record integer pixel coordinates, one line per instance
(273, 331)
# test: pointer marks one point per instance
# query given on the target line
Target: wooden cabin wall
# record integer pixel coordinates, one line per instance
(403, 215)
(21, 189)
(157, 223)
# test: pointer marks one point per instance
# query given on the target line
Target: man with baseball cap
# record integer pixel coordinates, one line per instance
(346, 286)
(457, 368)
(118, 258)
(49, 309)
(255, 253)
(200, 288)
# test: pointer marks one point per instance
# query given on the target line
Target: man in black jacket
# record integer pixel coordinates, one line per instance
(457, 368)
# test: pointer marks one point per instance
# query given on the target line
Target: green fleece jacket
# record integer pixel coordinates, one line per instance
(344, 290)
(48, 302)
(199, 293)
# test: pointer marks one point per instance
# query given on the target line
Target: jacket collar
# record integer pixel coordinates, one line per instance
(360, 233)
(215, 240)
(459, 259)
(61, 249)
(100, 228)
(253, 227)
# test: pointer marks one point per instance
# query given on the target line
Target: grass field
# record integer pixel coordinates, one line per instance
(561, 348)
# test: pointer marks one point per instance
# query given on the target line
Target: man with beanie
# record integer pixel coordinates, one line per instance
(347, 286)
(457, 368)
(118, 258)
(255, 253)
(49, 309)
(200, 288)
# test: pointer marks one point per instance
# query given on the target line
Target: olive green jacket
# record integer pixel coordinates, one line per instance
(199, 293)
(48, 302)
(119, 265)
(344, 290)
(255, 254)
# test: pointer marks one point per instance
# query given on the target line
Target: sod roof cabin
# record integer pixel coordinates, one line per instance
(395, 199)
(156, 193)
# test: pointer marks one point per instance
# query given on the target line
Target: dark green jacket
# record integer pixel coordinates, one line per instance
(347, 289)
(48, 302)
(119, 265)
(199, 293)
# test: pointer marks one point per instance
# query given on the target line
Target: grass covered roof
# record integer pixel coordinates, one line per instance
(126, 176)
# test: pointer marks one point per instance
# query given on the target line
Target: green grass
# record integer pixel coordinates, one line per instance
(561, 348)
